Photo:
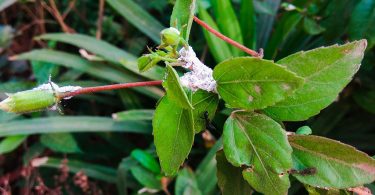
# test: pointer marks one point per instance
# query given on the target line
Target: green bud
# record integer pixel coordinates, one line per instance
(304, 130)
(170, 36)
(29, 101)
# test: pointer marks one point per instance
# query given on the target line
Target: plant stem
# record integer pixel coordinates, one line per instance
(109, 87)
(228, 40)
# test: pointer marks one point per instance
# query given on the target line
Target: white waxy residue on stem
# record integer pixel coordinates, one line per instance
(200, 76)
(53, 87)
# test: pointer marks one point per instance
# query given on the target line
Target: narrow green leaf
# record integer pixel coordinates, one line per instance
(42, 71)
(124, 180)
(219, 49)
(71, 124)
(326, 71)
(284, 27)
(146, 160)
(174, 90)
(253, 83)
(248, 23)
(182, 16)
(203, 101)
(230, 178)
(265, 22)
(312, 27)
(206, 170)
(173, 134)
(337, 165)
(10, 143)
(146, 62)
(133, 115)
(362, 22)
(100, 172)
(137, 16)
(260, 144)
(105, 50)
(145, 177)
(60, 142)
(228, 23)
(94, 69)
(186, 183)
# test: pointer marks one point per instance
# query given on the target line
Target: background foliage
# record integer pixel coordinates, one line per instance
(117, 154)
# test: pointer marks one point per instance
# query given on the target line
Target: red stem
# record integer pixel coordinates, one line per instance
(110, 87)
(228, 40)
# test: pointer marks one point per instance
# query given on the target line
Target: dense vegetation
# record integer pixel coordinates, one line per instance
(82, 149)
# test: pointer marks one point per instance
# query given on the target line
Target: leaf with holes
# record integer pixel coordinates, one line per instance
(253, 83)
(259, 143)
(173, 134)
(327, 71)
(337, 165)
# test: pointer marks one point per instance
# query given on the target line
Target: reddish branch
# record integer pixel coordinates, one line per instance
(228, 40)
(110, 87)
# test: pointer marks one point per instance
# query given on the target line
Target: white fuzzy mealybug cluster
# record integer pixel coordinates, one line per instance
(200, 76)
(53, 87)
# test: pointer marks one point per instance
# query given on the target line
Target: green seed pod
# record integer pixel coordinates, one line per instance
(29, 101)
(170, 36)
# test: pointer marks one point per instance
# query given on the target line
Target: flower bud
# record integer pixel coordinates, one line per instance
(170, 36)
(29, 101)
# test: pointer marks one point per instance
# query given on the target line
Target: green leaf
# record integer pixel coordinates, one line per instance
(311, 27)
(133, 115)
(42, 71)
(105, 50)
(337, 165)
(219, 49)
(326, 71)
(145, 177)
(137, 16)
(186, 183)
(304, 130)
(284, 28)
(124, 180)
(260, 144)
(173, 134)
(230, 179)
(146, 160)
(60, 142)
(100, 172)
(182, 16)
(248, 23)
(203, 101)
(174, 90)
(362, 22)
(148, 61)
(10, 143)
(95, 69)
(71, 124)
(228, 23)
(253, 83)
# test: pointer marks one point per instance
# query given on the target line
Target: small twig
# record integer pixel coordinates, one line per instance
(56, 13)
(100, 19)
(110, 87)
(228, 40)
(70, 7)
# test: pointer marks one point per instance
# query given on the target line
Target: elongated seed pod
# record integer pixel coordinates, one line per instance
(29, 101)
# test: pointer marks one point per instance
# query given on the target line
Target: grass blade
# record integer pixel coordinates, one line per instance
(228, 23)
(219, 49)
(105, 50)
(72, 124)
(138, 17)
(248, 23)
